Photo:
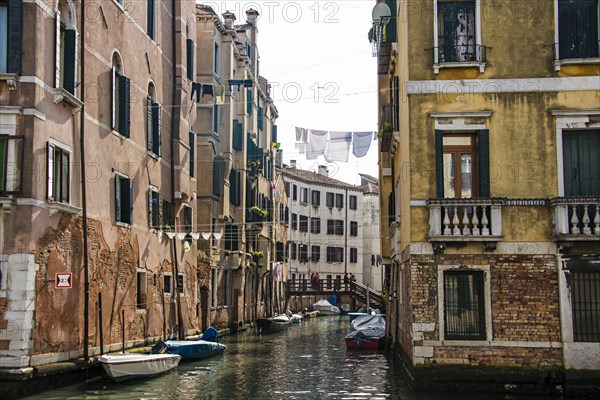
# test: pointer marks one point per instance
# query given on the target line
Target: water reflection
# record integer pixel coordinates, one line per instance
(308, 361)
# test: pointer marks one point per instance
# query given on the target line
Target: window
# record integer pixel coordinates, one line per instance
(294, 192)
(213, 287)
(59, 173)
(235, 187)
(352, 202)
(329, 199)
(167, 283)
(315, 253)
(180, 285)
(335, 254)
(315, 225)
(11, 12)
(462, 164)
(187, 224)
(216, 60)
(303, 252)
(153, 122)
(581, 178)
(287, 215)
(249, 101)
(11, 164)
(189, 46)
(292, 250)
(280, 255)
(353, 255)
(218, 175)
(331, 227)
(150, 19)
(315, 198)
(154, 209)
(464, 309)
(303, 223)
(585, 303)
(123, 199)
(231, 237)
(578, 29)
(304, 195)
(339, 200)
(353, 228)
(120, 97)
(339, 227)
(456, 32)
(66, 54)
(294, 221)
(141, 290)
(192, 137)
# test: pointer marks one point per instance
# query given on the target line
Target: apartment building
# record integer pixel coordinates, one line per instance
(489, 186)
(96, 169)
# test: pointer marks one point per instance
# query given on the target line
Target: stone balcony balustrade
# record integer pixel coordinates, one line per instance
(576, 218)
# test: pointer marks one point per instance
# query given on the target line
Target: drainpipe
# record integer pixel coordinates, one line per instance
(174, 132)
(86, 274)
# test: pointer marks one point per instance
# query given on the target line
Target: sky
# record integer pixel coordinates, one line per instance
(317, 58)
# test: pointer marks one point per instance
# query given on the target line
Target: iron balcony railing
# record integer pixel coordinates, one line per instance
(459, 53)
(388, 125)
(577, 218)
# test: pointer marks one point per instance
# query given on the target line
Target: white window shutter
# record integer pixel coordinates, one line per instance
(57, 51)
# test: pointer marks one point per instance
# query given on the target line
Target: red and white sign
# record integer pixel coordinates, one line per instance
(63, 281)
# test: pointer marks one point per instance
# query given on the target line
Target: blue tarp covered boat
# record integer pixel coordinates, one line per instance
(192, 349)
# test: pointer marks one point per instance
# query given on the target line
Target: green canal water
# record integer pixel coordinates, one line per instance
(307, 361)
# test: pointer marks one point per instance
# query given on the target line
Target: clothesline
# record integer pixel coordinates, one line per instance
(333, 145)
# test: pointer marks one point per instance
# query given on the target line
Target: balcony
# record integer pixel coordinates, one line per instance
(576, 218)
(388, 125)
(459, 56)
(465, 220)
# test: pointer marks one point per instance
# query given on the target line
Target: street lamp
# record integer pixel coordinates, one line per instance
(381, 16)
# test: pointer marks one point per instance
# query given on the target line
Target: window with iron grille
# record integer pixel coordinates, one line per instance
(315, 253)
(339, 200)
(353, 228)
(303, 223)
(315, 225)
(315, 198)
(353, 202)
(353, 255)
(294, 221)
(464, 305)
(329, 199)
(585, 304)
(456, 31)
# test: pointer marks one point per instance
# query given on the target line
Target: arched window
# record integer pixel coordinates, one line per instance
(153, 122)
(120, 103)
(67, 47)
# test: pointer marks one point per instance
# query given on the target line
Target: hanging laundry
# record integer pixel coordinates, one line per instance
(207, 90)
(219, 94)
(361, 143)
(301, 147)
(317, 144)
(339, 146)
(197, 90)
(301, 135)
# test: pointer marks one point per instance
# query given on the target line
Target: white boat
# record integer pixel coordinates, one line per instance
(325, 308)
(120, 367)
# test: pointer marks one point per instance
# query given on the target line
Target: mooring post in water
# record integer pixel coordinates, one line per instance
(100, 323)
(123, 328)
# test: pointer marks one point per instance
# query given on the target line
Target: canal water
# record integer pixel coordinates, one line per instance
(307, 361)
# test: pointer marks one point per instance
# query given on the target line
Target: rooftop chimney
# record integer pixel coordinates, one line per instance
(229, 19)
(323, 170)
(251, 16)
(293, 164)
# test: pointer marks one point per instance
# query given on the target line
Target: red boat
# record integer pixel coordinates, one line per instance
(360, 341)
(366, 332)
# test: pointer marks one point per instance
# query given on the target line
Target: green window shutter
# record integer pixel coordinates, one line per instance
(218, 175)
(150, 19)
(274, 134)
(581, 163)
(192, 137)
(124, 106)
(260, 118)
(14, 40)
(439, 163)
(238, 136)
(149, 124)
(157, 129)
(391, 26)
(190, 59)
(483, 162)
(249, 101)
(113, 104)
(232, 186)
(70, 64)
(117, 198)
(3, 162)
